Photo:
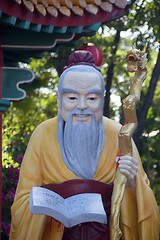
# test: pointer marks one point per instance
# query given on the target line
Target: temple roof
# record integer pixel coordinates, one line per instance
(29, 27)
(70, 7)
(61, 13)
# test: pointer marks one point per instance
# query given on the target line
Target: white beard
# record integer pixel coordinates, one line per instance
(81, 145)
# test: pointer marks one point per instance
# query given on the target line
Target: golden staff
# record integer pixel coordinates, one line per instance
(136, 63)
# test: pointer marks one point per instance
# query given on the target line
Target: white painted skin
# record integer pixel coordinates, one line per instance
(83, 90)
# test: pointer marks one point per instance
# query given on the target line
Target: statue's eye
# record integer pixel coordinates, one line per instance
(72, 98)
(92, 98)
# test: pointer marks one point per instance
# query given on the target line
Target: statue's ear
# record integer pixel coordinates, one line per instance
(58, 102)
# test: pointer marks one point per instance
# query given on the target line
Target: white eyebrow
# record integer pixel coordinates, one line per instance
(68, 90)
(96, 91)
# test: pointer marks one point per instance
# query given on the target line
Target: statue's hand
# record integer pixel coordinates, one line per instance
(129, 167)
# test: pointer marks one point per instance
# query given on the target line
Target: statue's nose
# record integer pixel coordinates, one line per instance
(82, 103)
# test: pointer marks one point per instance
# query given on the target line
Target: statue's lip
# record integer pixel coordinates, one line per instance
(82, 116)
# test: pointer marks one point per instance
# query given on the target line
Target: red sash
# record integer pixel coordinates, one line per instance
(91, 230)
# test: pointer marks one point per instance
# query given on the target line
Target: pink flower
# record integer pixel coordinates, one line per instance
(11, 144)
(8, 227)
(19, 159)
(3, 225)
(16, 182)
(3, 198)
(10, 195)
(11, 180)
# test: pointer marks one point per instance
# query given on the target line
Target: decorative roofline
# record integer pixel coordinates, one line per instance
(20, 12)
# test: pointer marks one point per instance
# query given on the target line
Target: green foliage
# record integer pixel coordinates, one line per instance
(149, 145)
(149, 150)
(139, 25)
(14, 146)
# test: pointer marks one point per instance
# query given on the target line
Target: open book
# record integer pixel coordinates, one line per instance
(85, 207)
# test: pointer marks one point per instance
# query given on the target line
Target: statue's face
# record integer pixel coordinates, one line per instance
(81, 90)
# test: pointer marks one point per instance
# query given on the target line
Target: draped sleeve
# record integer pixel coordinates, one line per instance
(24, 225)
(139, 214)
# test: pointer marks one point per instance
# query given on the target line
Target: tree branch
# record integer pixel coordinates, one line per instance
(110, 75)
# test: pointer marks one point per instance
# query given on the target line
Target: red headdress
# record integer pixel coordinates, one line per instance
(81, 57)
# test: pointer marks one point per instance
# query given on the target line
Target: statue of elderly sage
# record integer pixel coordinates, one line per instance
(76, 152)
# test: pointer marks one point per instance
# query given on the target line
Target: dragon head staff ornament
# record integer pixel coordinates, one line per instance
(136, 59)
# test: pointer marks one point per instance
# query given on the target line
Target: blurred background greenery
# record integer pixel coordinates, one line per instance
(138, 25)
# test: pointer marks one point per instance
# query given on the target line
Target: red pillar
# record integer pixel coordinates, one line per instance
(1, 64)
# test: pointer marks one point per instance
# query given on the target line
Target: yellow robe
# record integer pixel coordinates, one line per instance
(43, 164)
